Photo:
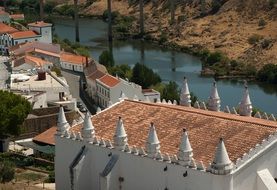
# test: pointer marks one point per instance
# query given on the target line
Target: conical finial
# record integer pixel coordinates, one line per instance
(245, 106)
(227, 109)
(153, 143)
(185, 151)
(120, 136)
(62, 124)
(214, 99)
(272, 118)
(135, 98)
(258, 115)
(185, 94)
(196, 105)
(221, 164)
(98, 110)
(88, 129)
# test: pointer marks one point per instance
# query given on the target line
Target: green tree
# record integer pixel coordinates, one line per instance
(13, 111)
(7, 171)
(144, 76)
(123, 71)
(268, 73)
(170, 92)
(106, 58)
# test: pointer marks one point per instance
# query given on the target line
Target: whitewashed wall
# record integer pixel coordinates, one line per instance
(246, 178)
(72, 67)
(138, 173)
(45, 32)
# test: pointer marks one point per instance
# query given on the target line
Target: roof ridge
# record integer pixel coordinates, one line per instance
(221, 115)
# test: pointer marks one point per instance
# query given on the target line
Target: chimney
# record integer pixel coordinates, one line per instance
(86, 61)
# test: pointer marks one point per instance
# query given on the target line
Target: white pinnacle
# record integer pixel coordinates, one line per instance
(120, 130)
(185, 94)
(185, 144)
(221, 164)
(214, 99)
(87, 122)
(152, 136)
(245, 106)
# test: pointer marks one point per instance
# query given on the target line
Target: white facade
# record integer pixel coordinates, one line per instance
(72, 66)
(44, 30)
(107, 94)
(56, 88)
(138, 172)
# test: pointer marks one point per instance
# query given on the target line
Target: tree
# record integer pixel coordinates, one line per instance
(123, 71)
(106, 58)
(170, 92)
(268, 74)
(144, 76)
(7, 171)
(110, 35)
(13, 111)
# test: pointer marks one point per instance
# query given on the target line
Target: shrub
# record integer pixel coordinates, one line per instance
(7, 171)
(214, 57)
(255, 38)
(268, 73)
(262, 22)
(51, 177)
(57, 71)
(106, 58)
(163, 38)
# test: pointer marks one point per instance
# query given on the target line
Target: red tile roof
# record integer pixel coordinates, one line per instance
(204, 128)
(17, 16)
(24, 34)
(109, 80)
(72, 58)
(2, 12)
(6, 29)
(96, 75)
(39, 24)
(47, 137)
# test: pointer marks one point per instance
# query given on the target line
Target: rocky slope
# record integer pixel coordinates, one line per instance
(243, 30)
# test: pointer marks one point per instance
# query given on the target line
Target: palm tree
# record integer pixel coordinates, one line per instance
(76, 18)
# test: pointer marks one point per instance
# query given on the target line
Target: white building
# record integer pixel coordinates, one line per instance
(56, 88)
(43, 29)
(152, 150)
(39, 31)
(4, 16)
(110, 89)
(73, 62)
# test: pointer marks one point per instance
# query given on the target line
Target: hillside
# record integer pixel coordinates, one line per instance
(243, 30)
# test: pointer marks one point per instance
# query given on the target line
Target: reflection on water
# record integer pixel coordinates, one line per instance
(170, 65)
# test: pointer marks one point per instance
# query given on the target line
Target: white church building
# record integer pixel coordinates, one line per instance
(136, 145)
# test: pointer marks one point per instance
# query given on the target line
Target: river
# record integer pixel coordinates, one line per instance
(170, 65)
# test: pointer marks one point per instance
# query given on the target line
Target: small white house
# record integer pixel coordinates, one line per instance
(44, 29)
(111, 89)
(73, 62)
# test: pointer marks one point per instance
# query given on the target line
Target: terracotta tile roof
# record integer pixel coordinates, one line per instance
(109, 80)
(72, 58)
(39, 24)
(46, 52)
(2, 12)
(47, 137)
(96, 75)
(37, 61)
(35, 46)
(24, 34)
(204, 127)
(17, 16)
(94, 66)
(6, 29)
